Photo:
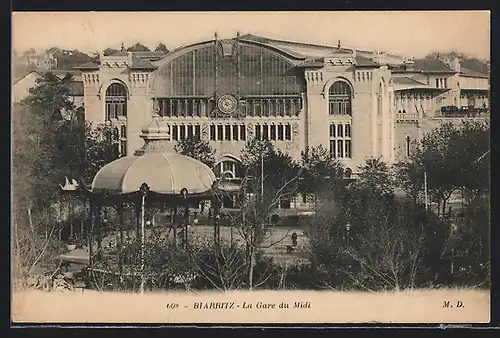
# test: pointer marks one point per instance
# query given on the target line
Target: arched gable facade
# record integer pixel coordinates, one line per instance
(261, 81)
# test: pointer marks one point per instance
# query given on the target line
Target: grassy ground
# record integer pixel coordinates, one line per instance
(419, 306)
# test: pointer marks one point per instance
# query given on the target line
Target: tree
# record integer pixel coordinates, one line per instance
(69, 59)
(260, 194)
(110, 51)
(32, 244)
(376, 175)
(99, 149)
(374, 241)
(49, 102)
(320, 171)
(196, 148)
(409, 176)
(441, 163)
(50, 97)
(161, 48)
(261, 158)
(465, 60)
(138, 47)
(471, 146)
(452, 158)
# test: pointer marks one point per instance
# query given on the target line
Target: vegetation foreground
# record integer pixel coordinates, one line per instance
(363, 236)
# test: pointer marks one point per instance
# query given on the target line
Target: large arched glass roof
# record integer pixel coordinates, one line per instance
(232, 68)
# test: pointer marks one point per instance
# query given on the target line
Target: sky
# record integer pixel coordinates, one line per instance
(407, 33)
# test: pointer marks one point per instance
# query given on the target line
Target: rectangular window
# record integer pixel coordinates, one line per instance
(116, 134)
(332, 148)
(190, 131)
(168, 107)
(347, 130)
(227, 166)
(277, 107)
(332, 130)
(220, 132)
(272, 128)
(257, 108)
(196, 105)
(280, 132)
(288, 106)
(265, 107)
(197, 132)
(288, 132)
(445, 83)
(437, 83)
(348, 148)
(265, 132)
(110, 111)
(235, 133)
(258, 134)
(175, 132)
(227, 133)
(116, 149)
(212, 132)
(123, 131)
(340, 148)
(243, 132)
(340, 131)
(272, 108)
(123, 148)
(118, 109)
(182, 132)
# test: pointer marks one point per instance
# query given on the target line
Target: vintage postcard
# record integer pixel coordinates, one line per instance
(251, 167)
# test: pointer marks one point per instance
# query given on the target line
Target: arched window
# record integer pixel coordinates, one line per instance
(260, 77)
(116, 101)
(229, 168)
(339, 98)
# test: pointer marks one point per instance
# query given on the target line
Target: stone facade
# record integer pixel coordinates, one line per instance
(391, 100)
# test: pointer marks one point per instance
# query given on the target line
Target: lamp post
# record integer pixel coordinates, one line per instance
(262, 175)
(425, 190)
(144, 190)
(184, 194)
(348, 227)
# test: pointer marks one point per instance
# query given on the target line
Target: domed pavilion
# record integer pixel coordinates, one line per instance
(151, 176)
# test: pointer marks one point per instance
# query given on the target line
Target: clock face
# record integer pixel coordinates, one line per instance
(227, 104)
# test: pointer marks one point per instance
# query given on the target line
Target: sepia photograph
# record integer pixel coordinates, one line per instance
(252, 168)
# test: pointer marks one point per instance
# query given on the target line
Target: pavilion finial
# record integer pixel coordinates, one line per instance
(338, 44)
(122, 47)
(238, 34)
(155, 134)
(216, 35)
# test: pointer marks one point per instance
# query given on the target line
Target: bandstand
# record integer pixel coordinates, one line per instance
(150, 177)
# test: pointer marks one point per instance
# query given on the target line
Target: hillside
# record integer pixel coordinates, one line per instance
(471, 63)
